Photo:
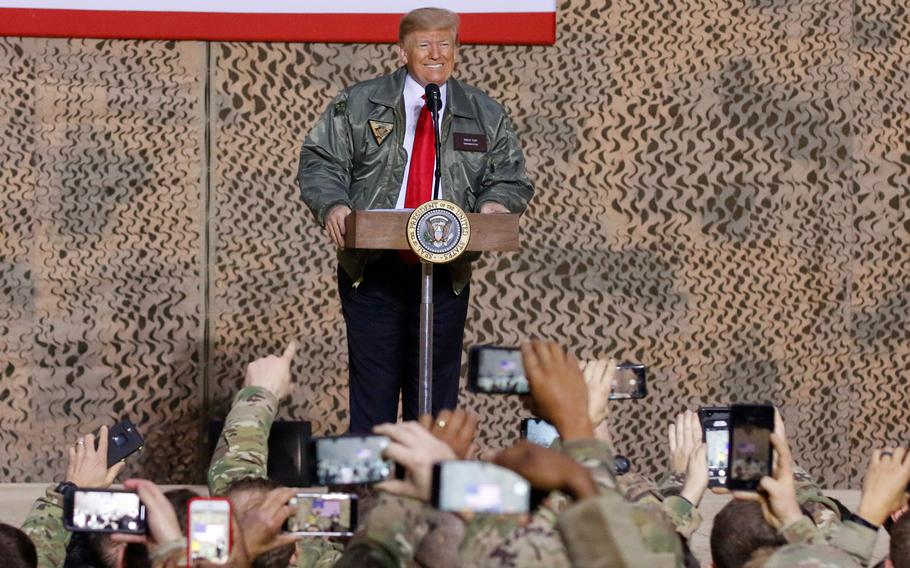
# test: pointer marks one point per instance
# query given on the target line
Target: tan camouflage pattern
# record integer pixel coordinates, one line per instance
(809, 556)
(44, 525)
(856, 540)
(823, 511)
(389, 535)
(609, 531)
(243, 447)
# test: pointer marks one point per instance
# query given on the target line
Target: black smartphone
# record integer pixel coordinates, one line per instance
(750, 449)
(104, 511)
(123, 439)
(350, 460)
(538, 431)
(496, 370)
(715, 427)
(630, 381)
(322, 514)
(479, 487)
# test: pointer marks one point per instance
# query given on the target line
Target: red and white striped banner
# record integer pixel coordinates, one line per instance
(482, 21)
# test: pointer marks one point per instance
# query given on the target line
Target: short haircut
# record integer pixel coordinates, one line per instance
(179, 499)
(740, 530)
(428, 20)
(17, 548)
(900, 542)
(277, 557)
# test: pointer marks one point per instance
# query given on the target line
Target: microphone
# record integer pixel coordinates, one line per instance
(434, 99)
(434, 103)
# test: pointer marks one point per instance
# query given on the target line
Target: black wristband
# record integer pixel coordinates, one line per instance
(861, 521)
(64, 487)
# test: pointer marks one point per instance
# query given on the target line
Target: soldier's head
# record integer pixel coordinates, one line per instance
(17, 548)
(740, 530)
(246, 494)
(900, 542)
(428, 44)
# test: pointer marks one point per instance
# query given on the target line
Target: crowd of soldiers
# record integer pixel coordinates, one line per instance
(590, 518)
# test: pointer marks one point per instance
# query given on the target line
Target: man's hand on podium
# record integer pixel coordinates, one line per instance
(272, 373)
(334, 224)
(493, 207)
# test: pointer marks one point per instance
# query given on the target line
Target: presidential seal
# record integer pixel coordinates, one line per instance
(438, 231)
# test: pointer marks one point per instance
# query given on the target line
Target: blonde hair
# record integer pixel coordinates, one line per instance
(427, 20)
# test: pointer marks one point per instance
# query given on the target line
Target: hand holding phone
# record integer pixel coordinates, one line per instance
(778, 493)
(87, 464)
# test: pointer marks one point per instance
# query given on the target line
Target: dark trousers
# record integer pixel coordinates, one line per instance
(382, 316)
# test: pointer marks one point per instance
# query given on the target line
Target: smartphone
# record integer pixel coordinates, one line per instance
(630, 381)
(350, 460)
(496, 370)
(479, 487)
(322, 514)
(715, 426)
(208, 530)
(539, 431)
(123, 439)
(750, 445)
(104, 511)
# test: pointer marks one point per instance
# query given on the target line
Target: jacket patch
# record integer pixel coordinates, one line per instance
(340, 107)
(470, 142)
(381, 130)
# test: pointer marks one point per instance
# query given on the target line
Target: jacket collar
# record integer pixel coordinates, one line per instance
(391, 94)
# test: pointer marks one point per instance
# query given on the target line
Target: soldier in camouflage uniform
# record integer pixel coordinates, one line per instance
(86, 467)
(242, 448)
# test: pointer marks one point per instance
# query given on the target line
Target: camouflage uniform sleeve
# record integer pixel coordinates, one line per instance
(389, 535)
(671, 483)
(641, 491)
(597, 456)
(243, 447)
(802, 531)
(492, 541)
(317, 553)
(809, 555)
(44, 525)
(683, 514)
(823, 510)
(607, 531)
(856, 540)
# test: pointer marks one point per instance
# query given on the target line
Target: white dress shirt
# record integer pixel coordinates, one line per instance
(413, 103)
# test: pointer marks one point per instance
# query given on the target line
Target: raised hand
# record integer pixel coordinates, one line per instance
(885, 484)
(547, 469)
(415, 448)
(87, 465)
(778, 492)
(272, 373)
(558, 390)
(456, 428)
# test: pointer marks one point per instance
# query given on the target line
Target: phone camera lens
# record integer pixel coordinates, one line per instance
(118, 440)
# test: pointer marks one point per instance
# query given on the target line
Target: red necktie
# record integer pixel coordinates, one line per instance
(423, 160)
(420, 172)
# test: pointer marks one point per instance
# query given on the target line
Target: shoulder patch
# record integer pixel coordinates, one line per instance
(381, 130)
(340, 107)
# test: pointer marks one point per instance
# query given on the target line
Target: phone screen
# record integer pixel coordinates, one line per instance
(750, 445)
(629, 382)
(717, 438)
(209, 530)
(540, 432)
(325, 514)
(105, 511)
(479, 487)
(347, 460)
(499, 370)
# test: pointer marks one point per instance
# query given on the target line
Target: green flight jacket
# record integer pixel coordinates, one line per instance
(345, 161)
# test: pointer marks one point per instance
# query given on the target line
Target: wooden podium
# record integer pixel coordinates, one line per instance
(387, 230)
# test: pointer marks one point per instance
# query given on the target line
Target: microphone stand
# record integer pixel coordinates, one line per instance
(425, 358)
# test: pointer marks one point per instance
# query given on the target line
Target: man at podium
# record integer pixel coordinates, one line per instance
(373, 148)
